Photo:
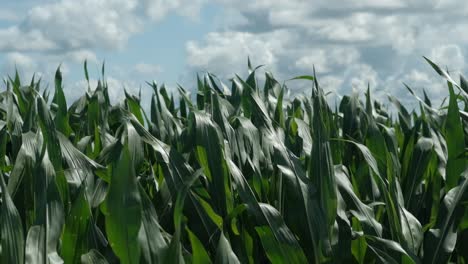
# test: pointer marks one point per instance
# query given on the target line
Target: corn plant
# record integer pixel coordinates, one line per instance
(239, 175)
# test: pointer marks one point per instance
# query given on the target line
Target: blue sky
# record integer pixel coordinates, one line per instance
(350, 43)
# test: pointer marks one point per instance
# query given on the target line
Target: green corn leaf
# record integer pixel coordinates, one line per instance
(441, 240)
(75, 240)
(199, 254)
(93, 257)
(455, 143)
(11, 230)
(150, 238)
(123, 209)
(224, 253)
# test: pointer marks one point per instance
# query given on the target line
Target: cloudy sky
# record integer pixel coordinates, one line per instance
(350, 43)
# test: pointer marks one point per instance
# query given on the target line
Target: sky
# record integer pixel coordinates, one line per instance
(351, 44)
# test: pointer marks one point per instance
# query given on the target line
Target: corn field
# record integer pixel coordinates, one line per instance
(244, 174)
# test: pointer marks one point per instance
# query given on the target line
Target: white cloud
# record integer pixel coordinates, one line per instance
(325, 60)
(361, 76)
(416, 76)
(13, 39)
(331, 83)
(8, 15)
(317, 59)
(418, 80)
(454, 5)
(69, 25)
(79, 56)
(230, 17)
(380, 4)
(77, 25)
(17, 61)
(351, 43)
(147, 69)
(67, 32)
(158, 9)
(449, 56)
(226, 53)
(351, 29)
(84, 24)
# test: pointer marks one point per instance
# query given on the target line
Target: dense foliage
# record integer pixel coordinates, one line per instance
(238, 175)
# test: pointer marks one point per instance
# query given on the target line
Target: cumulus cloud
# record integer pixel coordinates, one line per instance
(350, 43)
(84, 24)
(8, 15)
(17, 61)
(147, 69)
(68, 32)
(450, 56)
(89, 24)
(14, 39)
(79, 56)
(325, 60)
(332, 83)
(362, 75)
(226, 53)
(158, 9)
